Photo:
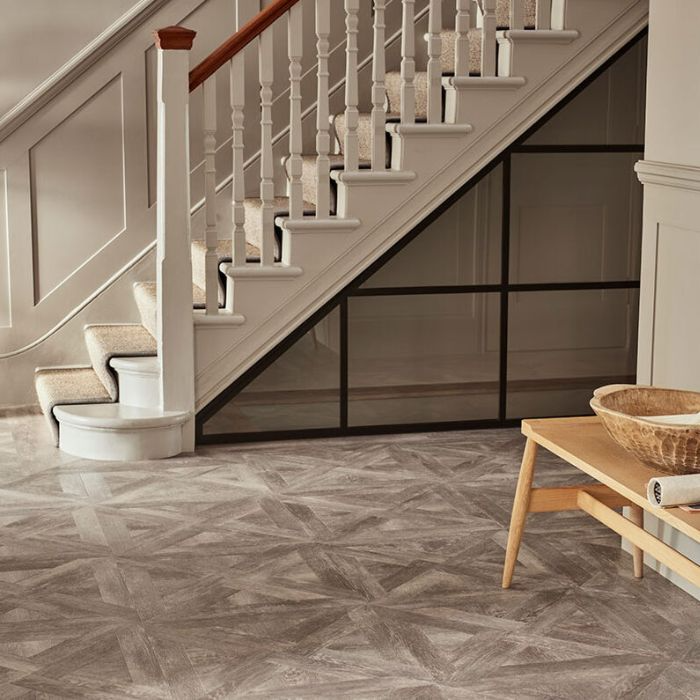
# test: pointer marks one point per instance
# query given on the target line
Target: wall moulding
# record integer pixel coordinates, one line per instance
(651, 172)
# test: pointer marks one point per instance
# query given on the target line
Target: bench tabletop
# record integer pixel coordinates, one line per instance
(584, 443)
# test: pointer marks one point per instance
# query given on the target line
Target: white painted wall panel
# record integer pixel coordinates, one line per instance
(676, 331)
(38, 36)
(78, 196)
(5, 316)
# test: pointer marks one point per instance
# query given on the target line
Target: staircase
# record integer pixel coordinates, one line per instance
(327, 210)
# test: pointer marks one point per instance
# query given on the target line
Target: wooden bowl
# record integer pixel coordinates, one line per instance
(671, 448)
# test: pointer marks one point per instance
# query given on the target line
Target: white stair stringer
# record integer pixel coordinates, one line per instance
(429, 163)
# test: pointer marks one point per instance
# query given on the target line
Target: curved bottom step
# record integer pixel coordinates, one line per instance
(114, 432)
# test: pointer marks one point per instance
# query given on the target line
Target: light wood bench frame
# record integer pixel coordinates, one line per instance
(584, 443)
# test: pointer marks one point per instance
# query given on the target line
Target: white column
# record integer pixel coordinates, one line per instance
(517, 14)
(211, 233)
(267, 174)
(237, 75)
(295, 46)
(462, 22)
(378, 118)
(174, 262)
(352, 113)
(323, 134)
(408, 62)
(544, 14)
(435, 62)
(488, 42)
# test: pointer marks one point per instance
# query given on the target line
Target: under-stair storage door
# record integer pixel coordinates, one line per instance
(323, 134)
(300, 390)
(211, 233)
(435, 62)
(408, 62)
(237, 72)
(352, 112)
(562, 345)
(378, 116)
(422, 358)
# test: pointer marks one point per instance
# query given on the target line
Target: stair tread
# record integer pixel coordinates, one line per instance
(105, 341)
(116, 416)
(60, 386)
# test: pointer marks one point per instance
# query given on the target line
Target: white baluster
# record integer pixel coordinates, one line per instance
(434, 62)
(295, 43)
(211, 234)
(237, 74)
(544, 14)
(174, 258)
(488, 42)
(408, 62)
(267, 175)
(462, 24)
(323, 135)
(379, 88)
(517, 14)
(352, 113)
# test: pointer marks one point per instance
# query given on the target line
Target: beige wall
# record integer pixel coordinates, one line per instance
(674, 89)
(38, 36)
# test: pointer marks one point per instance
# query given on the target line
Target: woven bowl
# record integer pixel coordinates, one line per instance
(674, 449)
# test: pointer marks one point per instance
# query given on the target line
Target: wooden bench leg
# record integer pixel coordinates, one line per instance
(520, 508)
(636, 515)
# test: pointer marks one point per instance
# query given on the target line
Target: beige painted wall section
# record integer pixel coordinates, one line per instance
(673, 86)
(38, 36)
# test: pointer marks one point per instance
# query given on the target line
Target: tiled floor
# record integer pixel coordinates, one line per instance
(359, 568)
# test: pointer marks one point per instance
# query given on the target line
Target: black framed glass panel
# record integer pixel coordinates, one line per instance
(564, 344)
(462, 246)
(300, 390)
(425, 358)
(574, 217)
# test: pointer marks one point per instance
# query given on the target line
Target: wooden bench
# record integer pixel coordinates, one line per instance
(622, 480)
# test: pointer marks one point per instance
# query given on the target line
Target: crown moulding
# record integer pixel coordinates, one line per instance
(174, 38)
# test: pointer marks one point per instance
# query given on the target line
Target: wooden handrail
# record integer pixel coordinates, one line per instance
(236, 43)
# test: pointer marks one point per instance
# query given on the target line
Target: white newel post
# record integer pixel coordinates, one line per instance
(174, 263)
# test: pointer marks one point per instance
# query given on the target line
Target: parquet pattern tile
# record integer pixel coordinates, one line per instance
(358, 568)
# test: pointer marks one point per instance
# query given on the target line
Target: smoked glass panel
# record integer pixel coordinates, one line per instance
(300, 390)
(422, 358)
(563, 345)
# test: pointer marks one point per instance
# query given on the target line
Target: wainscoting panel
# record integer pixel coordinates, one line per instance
(77, 211)
(676, 330)
(5, 316)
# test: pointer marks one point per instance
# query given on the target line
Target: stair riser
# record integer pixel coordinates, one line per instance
(138, 388)
(478, 106)
(121, 445)
(526, 57)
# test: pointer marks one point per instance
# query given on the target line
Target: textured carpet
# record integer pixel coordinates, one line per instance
(119, 340)
(59, 386)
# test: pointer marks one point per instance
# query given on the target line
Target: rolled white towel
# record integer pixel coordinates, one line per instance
(668, 491)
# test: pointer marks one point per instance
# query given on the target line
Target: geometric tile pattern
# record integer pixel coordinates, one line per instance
(348, 568)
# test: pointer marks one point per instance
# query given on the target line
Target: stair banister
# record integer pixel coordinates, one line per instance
(435, 62)
(488, 43)
(175, 329)
(352, 113)
(378, 116)
(408, 62)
